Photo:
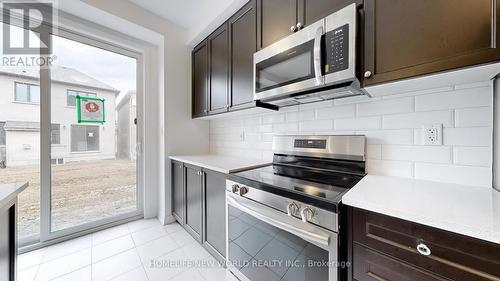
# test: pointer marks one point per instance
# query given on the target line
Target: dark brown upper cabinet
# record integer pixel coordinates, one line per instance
(276, 19)
(200, 80)
(408, 38)
(243, 44)
(279, 18)
(310, 11)
(218, 54)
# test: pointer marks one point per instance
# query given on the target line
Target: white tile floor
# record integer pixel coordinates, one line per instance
(142, 250)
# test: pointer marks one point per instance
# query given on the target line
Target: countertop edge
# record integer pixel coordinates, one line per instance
(19, 187)
(218, 169)
(482, 234)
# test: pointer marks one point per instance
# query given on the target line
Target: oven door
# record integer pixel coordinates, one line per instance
(290, 65)
(266, 244)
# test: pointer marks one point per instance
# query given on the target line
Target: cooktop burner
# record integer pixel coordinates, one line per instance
(314, 186)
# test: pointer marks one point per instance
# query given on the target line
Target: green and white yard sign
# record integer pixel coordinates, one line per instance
(90, 110)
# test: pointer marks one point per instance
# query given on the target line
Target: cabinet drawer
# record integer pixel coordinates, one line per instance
(453, 256)
(372, 266)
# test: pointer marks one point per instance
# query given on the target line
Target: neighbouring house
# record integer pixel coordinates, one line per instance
(126, 126)
(20, 117)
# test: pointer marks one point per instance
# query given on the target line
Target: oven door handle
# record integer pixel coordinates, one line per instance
(277, 219)
(317, 55)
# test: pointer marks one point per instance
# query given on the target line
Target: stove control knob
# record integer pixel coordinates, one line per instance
(306, 214)
(292, 208)
(243, 190)
(235, 188)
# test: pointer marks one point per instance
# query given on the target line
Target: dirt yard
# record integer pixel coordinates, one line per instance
(81, 192)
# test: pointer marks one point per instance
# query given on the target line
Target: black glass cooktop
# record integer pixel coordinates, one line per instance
(320, 187)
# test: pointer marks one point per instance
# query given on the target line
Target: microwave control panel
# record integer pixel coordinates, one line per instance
(336, 50)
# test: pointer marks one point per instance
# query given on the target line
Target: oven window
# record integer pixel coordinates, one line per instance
(263, 252)
(289, 67)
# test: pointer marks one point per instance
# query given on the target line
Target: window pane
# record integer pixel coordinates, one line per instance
(71, 101)
(55, 134)
(78, 138)
(92, 138)
(34, 94)
(21, 92)
(2, 135)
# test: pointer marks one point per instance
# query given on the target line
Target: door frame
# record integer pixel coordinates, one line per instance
(46, 237)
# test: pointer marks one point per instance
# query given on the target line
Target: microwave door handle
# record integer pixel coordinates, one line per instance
(317, 55)
(304, 230)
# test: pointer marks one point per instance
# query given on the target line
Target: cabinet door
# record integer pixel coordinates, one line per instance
(219, 69)
(194, 197)
(178, 191)
(243, 44)
(200, 80)
(215, 213)
(274, 20)
(310, 11)
(408, 38)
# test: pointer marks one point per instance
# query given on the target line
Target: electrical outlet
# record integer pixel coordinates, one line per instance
(433, 134)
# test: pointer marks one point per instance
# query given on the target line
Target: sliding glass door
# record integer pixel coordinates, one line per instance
(72, 130)
(93, 134)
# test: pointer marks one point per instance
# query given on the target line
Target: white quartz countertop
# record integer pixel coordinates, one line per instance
(468, 210)
(220, 163)
(10, 191)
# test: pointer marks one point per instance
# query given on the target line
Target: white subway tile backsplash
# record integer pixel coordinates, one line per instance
(318, 125)
(388, 136)
(292, 116)
(390, 168)
(273, 118)
(421, 92)
(430, 154)
(362, 123)
(392, 122)
(467, 175)
(335, 112)
(468, 136)
(418, 119)
(374, 151)
(463, 98)
(307, 115)
(474, 117)
(472, 156)
(402, 105)
(286, 128)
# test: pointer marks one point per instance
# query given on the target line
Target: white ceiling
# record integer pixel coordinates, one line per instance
(196, 16)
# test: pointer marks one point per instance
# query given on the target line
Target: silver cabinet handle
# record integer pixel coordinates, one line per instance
(423, 249)
(299, 26)
(275, 218)
(293, 28)
(368, 74)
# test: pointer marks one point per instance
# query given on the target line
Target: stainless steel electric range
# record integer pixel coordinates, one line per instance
(285, 221)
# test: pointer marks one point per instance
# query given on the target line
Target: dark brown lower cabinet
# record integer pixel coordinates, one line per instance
(178, 191)
(194, 201)
(8, 244)
(215, 214)
(199, 205)
(387, 248)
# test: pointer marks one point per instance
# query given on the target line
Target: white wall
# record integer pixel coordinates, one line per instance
(392, 123)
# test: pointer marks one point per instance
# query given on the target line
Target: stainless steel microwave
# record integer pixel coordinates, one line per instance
(316, 63)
